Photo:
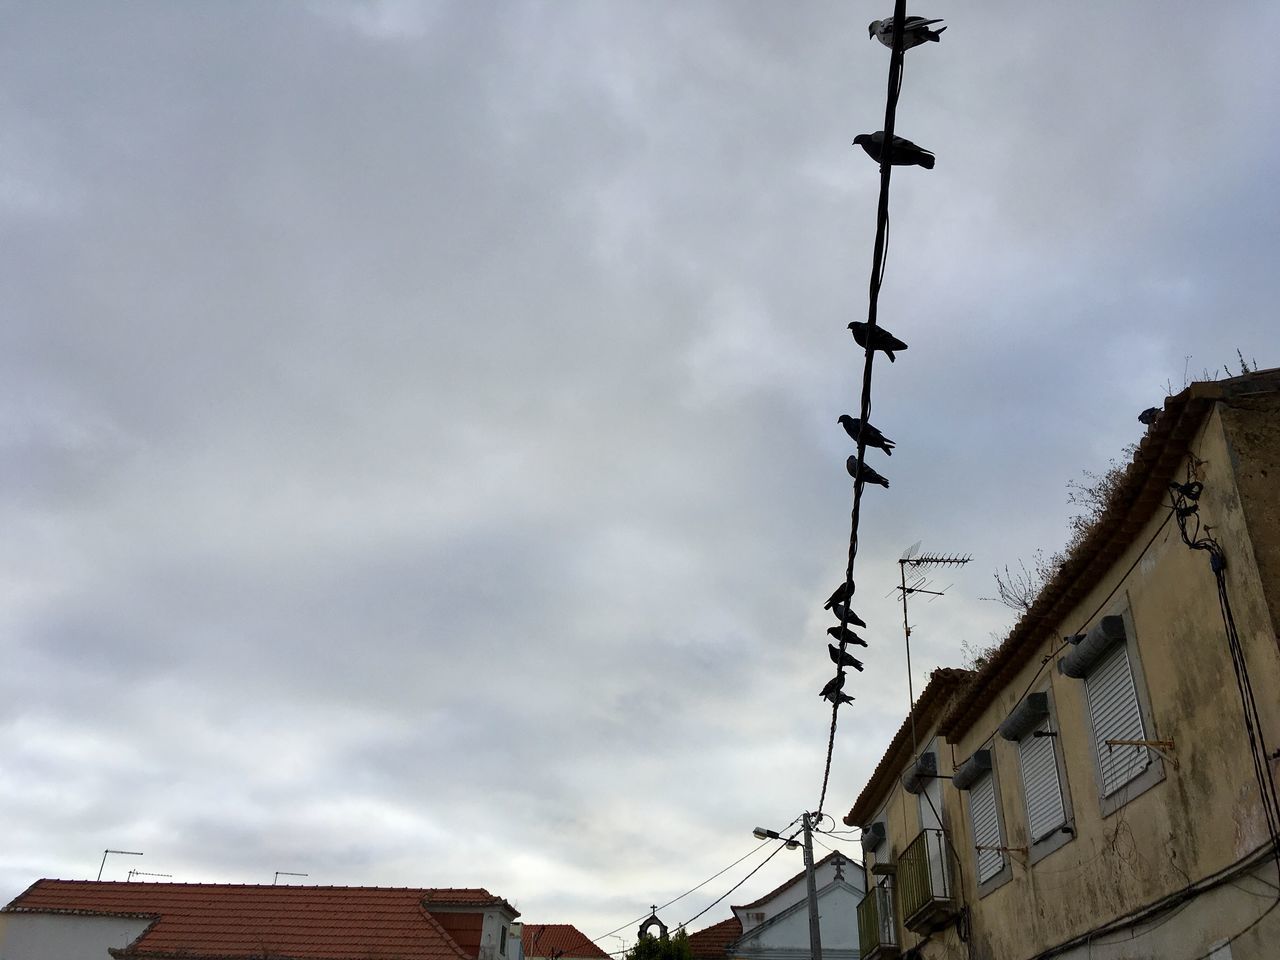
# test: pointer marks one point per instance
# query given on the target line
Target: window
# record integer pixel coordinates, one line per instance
(1041, 787)
(1107, 660)
(1115, 715)
(977, 777)
(502, 942)
(986, 827)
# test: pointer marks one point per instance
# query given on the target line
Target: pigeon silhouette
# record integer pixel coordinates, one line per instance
(845, 615)
(842, 698)
(881, 340)
(833, 686)
(1149, 415)
(868, 475)
(870, 435)
(849, 636)
(903, 153)
(843, 659)
(840, 594)
(915, 31)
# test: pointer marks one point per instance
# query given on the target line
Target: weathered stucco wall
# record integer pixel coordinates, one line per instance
(1205, 815)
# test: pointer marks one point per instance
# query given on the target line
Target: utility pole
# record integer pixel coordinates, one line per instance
(815, 934)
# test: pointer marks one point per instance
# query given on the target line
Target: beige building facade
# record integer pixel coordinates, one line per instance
(1101, 787)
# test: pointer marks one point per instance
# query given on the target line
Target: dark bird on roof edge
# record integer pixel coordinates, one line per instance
(1149, 415)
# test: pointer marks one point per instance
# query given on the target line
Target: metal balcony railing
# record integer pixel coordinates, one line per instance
(925, 887)
(877, 927)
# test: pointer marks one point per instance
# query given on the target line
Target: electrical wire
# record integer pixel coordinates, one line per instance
(718, 873)
(781, 846)
(1185, 508)
(878, 260)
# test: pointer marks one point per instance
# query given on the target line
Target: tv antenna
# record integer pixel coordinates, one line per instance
(144, 873)
(920, 564)
(287, 873)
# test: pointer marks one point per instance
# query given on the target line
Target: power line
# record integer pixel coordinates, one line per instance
(718, 873)
(782, 846)
(877, 274)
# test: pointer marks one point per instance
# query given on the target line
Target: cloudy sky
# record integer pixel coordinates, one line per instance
(419, 450)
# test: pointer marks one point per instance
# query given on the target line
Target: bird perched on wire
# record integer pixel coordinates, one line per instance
(903, 153)
(840, 594)
(915, 31)
(845, 614)
(866, 473)
(848, 636)
(882, 340)
(834, 685)
(870, 435)
(843, 659)
(1149, 415)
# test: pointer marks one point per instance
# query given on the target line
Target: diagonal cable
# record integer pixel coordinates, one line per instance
(877, 275)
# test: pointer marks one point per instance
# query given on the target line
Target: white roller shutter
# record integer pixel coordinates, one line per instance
(986, 827)
(1113, 708)
(1040, 785)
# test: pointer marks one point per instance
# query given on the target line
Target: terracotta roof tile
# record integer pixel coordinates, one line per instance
(712, 943)
(195, 920)
(558, 939)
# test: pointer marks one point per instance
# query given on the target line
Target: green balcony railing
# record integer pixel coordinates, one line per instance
(877, 928)
(925, 887)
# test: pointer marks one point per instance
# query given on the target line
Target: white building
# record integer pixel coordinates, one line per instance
(776, 926)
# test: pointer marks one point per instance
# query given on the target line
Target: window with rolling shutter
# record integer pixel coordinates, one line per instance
(986, 827)
(1115, 714)
(1040, 785)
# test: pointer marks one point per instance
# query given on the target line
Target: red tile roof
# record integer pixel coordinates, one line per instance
(712, 943)
(467, 929)
(557, 939)
(227, 921)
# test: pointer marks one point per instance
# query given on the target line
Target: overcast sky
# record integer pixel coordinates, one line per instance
(420, 460)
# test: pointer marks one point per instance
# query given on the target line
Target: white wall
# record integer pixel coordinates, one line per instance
(53, 936)
(491, 937)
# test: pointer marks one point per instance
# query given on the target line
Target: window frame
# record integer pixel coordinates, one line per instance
(1154, 773)
(1005, 873)
(1037, 850)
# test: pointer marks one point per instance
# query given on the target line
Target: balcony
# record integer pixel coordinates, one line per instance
(877, 928)
(925, 885)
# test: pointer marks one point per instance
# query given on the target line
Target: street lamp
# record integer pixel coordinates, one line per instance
(760, 833)
(810, 820)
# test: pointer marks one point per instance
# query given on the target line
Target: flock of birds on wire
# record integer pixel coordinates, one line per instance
(902, 152)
